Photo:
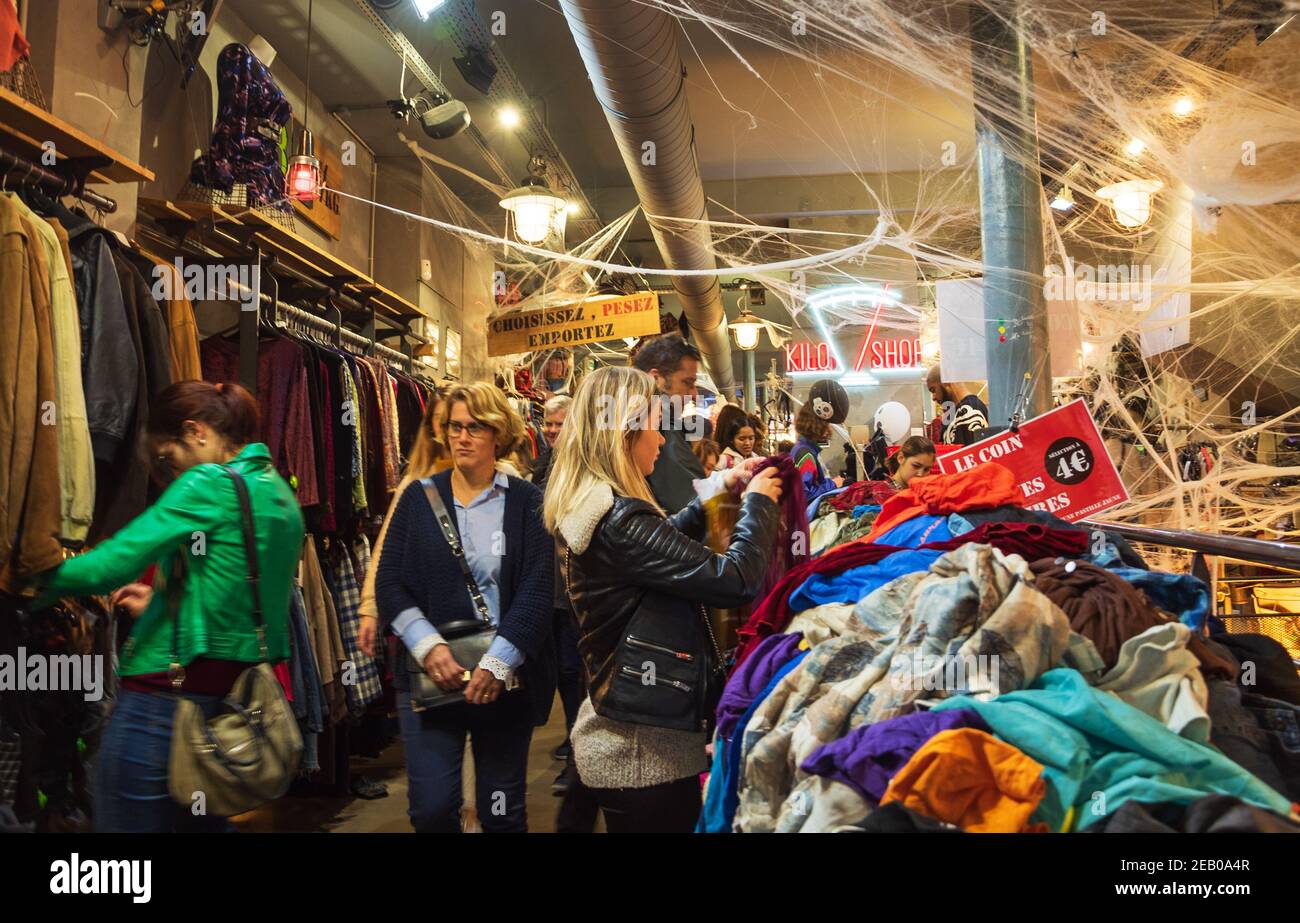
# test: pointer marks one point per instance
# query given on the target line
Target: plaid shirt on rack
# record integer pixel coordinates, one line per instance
(366, 688)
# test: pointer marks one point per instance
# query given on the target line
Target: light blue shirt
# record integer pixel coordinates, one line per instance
(482, 535)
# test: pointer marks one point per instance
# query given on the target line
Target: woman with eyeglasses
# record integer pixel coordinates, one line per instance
(420, 586)
(195, 634)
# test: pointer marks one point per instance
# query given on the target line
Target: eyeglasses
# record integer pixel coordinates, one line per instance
(475, 429)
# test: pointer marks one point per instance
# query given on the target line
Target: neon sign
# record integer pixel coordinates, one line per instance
(806, 359)
(809, 357)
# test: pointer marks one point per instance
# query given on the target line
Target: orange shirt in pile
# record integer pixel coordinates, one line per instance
(971, 779)
(980, 488)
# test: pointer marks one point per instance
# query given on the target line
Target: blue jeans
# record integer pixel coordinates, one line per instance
(434, 741)
(131, 794)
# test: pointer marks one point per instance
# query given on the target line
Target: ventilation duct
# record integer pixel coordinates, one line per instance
(630, 52)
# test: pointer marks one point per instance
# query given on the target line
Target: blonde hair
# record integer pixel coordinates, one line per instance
(611, 408)
(429, 453)
(488, 405)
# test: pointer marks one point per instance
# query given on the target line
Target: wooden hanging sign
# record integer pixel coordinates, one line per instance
(590, 321)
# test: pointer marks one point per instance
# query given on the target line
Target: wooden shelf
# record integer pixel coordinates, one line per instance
(30, 126)
(294, 251)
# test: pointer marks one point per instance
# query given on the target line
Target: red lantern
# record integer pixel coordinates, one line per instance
(302, 181)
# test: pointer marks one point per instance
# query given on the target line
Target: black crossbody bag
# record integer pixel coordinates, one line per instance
(468, 639)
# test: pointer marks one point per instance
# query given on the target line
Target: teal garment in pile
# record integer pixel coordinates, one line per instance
(1099, 752)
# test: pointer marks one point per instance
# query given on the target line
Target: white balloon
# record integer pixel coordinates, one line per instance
(895, 419)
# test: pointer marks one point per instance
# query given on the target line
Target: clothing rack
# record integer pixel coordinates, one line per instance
(336, 330)
(55, 184)
(249, 319)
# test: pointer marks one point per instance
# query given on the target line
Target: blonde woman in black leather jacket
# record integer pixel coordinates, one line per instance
(638, 582)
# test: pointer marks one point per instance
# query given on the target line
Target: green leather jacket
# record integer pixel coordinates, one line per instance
(198, 515)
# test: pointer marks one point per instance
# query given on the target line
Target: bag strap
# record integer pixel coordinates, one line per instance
(253, 577)
(439, 508)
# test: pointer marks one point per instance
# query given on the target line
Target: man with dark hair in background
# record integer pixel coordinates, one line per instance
(674, 363)
(964, 416)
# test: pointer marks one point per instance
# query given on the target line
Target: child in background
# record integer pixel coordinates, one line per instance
(707, 451)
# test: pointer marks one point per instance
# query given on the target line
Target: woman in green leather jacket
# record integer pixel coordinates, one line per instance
(194, 534)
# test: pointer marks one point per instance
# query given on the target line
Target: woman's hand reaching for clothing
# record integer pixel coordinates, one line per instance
(767, 484)
(134, 598)
(741, 473)
(443, 669)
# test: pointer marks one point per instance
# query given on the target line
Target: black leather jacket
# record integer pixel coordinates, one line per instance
(639, 590)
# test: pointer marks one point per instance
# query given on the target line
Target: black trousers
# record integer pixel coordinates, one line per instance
(578, 810)
(569, 682)
(673, 807)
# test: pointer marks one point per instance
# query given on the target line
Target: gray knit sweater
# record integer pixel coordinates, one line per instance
(618, 754)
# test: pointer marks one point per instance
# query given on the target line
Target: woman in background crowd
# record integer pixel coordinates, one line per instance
(734, 429)
(914, 458)
(707, 451)
(805, 453)
(429, 455)
(760, 436)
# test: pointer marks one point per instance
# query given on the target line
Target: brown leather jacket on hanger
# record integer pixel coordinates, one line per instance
(30, 499)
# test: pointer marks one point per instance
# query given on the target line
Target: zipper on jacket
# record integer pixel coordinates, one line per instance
(641, 642)
(658, 681)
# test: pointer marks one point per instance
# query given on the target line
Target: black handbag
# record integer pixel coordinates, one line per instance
(468, 639)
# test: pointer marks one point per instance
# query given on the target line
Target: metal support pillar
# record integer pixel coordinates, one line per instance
(1011, 225)
(751, 393)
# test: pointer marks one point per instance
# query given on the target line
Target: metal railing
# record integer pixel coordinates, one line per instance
(1250, 550)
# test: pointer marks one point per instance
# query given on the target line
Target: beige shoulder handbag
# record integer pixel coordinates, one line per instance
(248, 753)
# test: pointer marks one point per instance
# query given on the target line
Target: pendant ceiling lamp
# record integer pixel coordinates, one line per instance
(302, 179)
(1130, 201)
(537, 211)
(746, 329)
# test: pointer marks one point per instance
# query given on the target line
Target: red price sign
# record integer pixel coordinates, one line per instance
(1058, 459)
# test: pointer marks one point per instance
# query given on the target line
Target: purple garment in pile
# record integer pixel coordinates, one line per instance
(868, 757)
(751, 677)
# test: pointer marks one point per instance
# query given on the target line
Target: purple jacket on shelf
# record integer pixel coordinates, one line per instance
(251, 115)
